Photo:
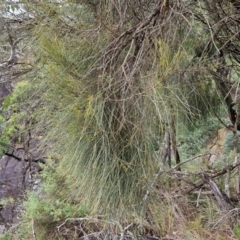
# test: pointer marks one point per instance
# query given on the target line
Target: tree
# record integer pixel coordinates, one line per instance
(106, 88)
(114, 78)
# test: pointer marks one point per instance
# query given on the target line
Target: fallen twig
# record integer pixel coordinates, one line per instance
(124, 231)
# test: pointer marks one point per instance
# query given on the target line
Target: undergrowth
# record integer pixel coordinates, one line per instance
(49, 213)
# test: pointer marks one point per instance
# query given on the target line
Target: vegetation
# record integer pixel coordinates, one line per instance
(125, 97)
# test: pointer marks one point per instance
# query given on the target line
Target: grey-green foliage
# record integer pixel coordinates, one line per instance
(6, 236)
(229, 142)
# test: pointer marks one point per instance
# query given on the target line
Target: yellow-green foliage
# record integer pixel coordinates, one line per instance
(171, 59)
(9, 127)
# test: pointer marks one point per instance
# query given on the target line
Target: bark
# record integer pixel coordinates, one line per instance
(222, 199)
(167, 150)
(174, 143)
(225, 88)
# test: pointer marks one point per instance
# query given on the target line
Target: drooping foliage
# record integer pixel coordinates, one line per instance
(119, 92)
(110, 79)
(103, 96)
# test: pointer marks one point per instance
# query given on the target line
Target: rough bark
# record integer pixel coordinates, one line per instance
(222, 199)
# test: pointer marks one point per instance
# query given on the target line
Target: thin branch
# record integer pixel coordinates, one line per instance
(214, 175)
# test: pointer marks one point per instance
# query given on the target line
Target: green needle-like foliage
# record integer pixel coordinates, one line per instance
(102, 128)
(103, 99)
